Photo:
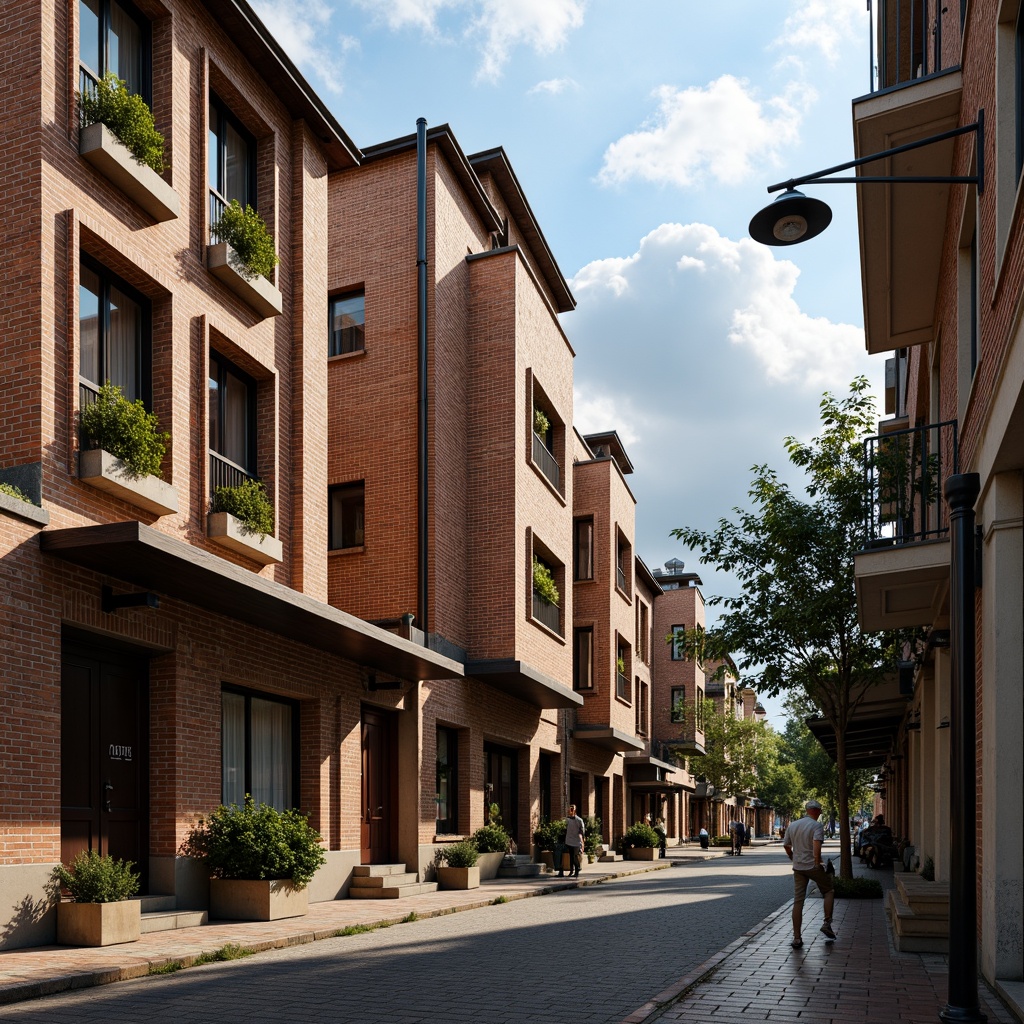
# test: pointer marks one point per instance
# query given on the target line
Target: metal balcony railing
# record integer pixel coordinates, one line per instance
(217, 205)
(903, 476)
(621, 686)
(546, 462)
(909, 40)
(547, 614)
(224, 473)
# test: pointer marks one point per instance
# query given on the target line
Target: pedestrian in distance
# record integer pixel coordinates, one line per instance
(738, 832)
(802, 844)
(659, 827)
(574, 833)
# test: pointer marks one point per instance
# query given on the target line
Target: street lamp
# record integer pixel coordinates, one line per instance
(794, 217)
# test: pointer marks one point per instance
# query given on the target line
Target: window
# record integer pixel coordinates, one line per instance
(113, 37)
(545, 435)
(548, 578)
(641, 707)
(347, 516)
(113, 334)
(678, 640)
(622, 669)
(347, 315)
(258, 745)
(677, 712)
(232, 408)
(231, 160)
(447, 781)
(643, 633)
(699, 709)
(583, 658)
(583, 549)
(623, 560)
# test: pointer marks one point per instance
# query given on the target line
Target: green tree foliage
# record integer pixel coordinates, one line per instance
(126, 430)
(795, 618)
(246, 232)
(125, 113)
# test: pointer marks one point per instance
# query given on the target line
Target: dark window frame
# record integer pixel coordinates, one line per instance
(577, 635)
(577, 526)
(351, 485)
(678, 694)
(449, 825)
(224, 366)
(352, 333)
(219, 116)
(89, 75)
(675, 653)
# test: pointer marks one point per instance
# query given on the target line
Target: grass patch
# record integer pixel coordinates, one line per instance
(499, 899)
(171, 967)
(410, 917)
(230, 951)
(858, 889)
(355, 929)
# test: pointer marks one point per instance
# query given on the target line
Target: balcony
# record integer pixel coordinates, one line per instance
(620, 579)
(547, 614)
(902, 575)
(621, 686)
(546, 462)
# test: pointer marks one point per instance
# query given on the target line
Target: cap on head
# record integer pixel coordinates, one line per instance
(812, 805)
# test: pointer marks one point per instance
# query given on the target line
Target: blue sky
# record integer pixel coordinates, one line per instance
(644, 135)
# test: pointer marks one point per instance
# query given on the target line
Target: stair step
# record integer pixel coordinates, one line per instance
(169, 920)
(609, 858)
(528, 870)
(388, 892)
(377, 870)
(380, 881)
(913, 932)
(152, 904)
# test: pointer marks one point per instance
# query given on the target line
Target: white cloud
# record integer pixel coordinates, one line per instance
(303, 32)
(822, 25)
(554, 86)
(719, 131)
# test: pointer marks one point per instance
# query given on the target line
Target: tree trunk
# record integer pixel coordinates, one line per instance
(845, 855)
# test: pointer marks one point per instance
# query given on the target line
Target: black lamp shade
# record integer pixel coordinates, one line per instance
(791, 218)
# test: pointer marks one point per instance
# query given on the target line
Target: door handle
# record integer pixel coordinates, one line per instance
(108, 788)
(380, 812)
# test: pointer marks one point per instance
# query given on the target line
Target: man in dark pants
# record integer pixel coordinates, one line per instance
(574, 832)
(739, 833)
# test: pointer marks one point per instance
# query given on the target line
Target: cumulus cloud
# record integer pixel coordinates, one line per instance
(554, 86)
(720, 130)
(822, 25)
(303, 30)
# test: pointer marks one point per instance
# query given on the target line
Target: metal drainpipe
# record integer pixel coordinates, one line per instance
(421, 331)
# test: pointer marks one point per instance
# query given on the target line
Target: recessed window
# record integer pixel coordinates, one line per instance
(113, 334)
(347, 516)
(699, 709)
(232, 410)
(548, 578)
(641, 707)
(447, 781)
(347, 314)
(231, 158)
(678, 642)
(678, 710)
(583, 658)
(583, 549)
(622, 671)
(643, 633)
(113, 37)
(258, 745)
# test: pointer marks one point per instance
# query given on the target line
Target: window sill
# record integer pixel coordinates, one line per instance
(622, 593)
(224, 529)
(343, 356)
(98, 146)
(101, 470)
(623, 701)
(259, 294)
(359, 549)
(547, 629)
(24, 510)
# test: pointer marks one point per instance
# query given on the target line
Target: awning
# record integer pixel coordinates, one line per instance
(523, 681)
(138, 554)
(650, 774)
(607, 737)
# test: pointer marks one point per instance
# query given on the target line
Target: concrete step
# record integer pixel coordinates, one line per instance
(377, 870)
(609, 858)
(169, 920)
(152, 904)
(916, 932)
(381, 881)
(390, 892)
(522, 868)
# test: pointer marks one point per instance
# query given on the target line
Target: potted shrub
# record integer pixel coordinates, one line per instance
(541, 423)
(125, 449)
(548, 838)
(260, 860)
(492, 843)
(640, 842)
(244, 258)
(544, 582)
(592, 839)
(101, 909)
(456, 866)
(242, 518)
(119, 138)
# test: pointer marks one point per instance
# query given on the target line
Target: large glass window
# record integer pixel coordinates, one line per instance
(113, 333)
(348, 516)
(583, 658)
(678, 640)
(232, 408)
(113, 36)
(231, 159)
(447, 781)
(347, 315)
(678, 710)
(583, 548)
(258, 749)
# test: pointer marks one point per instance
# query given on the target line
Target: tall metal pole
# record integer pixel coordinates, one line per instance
(961, 491)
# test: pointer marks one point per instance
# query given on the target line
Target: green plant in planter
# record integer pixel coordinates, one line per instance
(541, 423)
(125, 113)
(249, 504)
(15, 492)
(640, 836)
(544, 582)
(256, 842)
(92, 878)
(246, 232)
(458, 855)
(592, 840)
(126, 430)
(490, 839)
(549, 835)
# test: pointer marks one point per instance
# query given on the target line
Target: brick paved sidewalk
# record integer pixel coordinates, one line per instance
(861, 977)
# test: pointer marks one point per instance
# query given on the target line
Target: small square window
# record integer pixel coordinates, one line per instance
(347, 316)
(347, 514)
(678, 710)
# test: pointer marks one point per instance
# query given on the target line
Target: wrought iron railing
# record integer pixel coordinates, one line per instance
(621, 685)
(546, 462)
(87, 396)
(909, 39)
(217, 206)
(547, 614)
(224, 473)
(903, 476)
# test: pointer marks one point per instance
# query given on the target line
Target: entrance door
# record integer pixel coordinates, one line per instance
(501, 785)
(104, 697)
(379, 790)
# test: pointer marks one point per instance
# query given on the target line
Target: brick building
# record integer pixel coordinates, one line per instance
(389, 658)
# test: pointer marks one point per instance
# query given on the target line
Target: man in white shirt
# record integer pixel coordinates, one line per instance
(802, 844)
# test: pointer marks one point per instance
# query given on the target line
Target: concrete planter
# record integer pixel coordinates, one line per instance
(224, 529)
(642, 853)
(99, 924)
(259, 294)
(458, 878)
(548, 858)
(488, 865)
(238, 899)
(98, 145)
(103, 471)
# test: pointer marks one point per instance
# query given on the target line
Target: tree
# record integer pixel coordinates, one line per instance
(794, 621)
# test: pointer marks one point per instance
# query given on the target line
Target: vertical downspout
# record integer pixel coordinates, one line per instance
(421, 332)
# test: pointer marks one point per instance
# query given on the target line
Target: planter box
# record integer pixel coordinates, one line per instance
(488, 865)
(548, 858)
(99, 924)
(642, 853)
(458, 878)
(236, 899)
(259, 294)
(98, 145)
(224, 529)
(101, 470)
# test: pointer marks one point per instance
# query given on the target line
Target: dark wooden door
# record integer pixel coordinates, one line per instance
(104, 756)
(501, 785)
(379, 824)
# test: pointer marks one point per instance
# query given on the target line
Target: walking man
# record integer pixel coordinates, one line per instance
(802, 844)
(738, 834)
(574, 832)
